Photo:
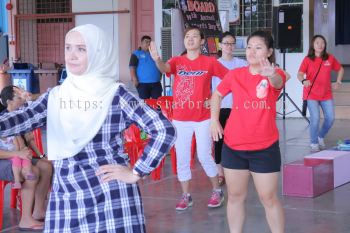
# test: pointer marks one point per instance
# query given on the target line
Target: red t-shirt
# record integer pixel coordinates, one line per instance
(192, 86)
(322, 89)
(252, 122)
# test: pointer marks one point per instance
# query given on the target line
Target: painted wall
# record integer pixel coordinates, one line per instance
(158, 22)
(124, 38)
(93, 5)
(12, 38)
(118, 26)
(325, 24)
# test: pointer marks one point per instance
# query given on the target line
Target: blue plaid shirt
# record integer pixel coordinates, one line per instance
(79, 202)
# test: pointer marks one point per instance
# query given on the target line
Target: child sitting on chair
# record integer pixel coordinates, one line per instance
(19, 154)
(21, 160)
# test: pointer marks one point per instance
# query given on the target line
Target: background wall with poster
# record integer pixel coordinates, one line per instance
(233, 7)
(204, 15)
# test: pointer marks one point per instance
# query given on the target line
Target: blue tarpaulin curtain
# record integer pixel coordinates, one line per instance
(342, 22)
(3, 16)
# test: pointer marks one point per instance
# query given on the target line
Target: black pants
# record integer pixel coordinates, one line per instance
(224, 114)
(149, 90)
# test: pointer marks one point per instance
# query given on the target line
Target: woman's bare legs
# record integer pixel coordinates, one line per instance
(237, 186)
(266, 185)
(27, 194)
(42, 188)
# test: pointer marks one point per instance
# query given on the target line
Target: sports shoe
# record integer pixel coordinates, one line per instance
(314, 147)
(185, 202)
(321, 143)
(216, 199)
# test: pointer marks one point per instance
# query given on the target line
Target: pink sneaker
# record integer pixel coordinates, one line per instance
(185, 202)
(216, 199)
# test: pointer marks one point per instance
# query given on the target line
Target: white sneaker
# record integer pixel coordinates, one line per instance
(314, 147)
(321, 143)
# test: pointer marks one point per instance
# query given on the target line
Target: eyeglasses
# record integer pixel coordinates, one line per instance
(228, 44)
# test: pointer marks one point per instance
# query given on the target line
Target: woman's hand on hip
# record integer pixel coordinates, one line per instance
(117, 172)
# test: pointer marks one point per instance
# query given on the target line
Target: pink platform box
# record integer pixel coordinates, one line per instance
(307, 180)
(341, 163)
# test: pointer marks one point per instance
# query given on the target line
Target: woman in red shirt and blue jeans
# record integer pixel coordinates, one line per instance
(251, 146)
(317, 66)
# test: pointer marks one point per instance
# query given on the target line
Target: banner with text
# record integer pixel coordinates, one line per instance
(204, 15)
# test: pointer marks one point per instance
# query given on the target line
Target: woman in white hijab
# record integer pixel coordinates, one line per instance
(93, 190)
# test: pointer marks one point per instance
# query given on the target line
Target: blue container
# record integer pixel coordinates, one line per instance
(25, 79)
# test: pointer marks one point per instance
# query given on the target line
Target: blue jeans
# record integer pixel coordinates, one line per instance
(328, 112)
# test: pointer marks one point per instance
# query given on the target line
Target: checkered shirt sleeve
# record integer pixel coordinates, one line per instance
(25, 119)
(162, 132)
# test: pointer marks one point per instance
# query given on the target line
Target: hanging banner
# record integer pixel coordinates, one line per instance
(232, 6)
(204, 15)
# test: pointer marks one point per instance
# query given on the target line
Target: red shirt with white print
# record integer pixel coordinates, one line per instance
(192, 86)
(252, 122)
(322, 88)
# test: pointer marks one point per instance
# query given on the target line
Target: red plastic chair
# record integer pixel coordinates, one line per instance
(134, 145)
(153, 103)
(132, 134)
(38, 139)
(166, 105)
(132, 137)
(156, 173)
(2, 190)
(13, 200)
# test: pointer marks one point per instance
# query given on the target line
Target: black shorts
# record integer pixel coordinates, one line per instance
(260, 161)
(149, 90)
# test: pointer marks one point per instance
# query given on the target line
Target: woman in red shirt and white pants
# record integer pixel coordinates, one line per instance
(193, 74)
(251, 146)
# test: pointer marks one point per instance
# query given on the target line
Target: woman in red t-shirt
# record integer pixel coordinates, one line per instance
(193, 73)
(317, 66)
(251, 146)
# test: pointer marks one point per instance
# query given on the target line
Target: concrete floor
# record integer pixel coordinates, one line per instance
(328, 213)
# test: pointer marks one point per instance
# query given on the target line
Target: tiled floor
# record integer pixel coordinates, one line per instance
(328, 213)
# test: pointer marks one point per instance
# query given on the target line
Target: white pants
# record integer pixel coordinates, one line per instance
(185, 130)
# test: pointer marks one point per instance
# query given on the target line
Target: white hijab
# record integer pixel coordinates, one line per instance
(78, 108)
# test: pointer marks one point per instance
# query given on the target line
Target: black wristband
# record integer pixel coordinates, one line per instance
(302, 81)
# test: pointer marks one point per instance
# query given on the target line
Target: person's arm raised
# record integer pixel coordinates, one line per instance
(162, 66)
(269, 71)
